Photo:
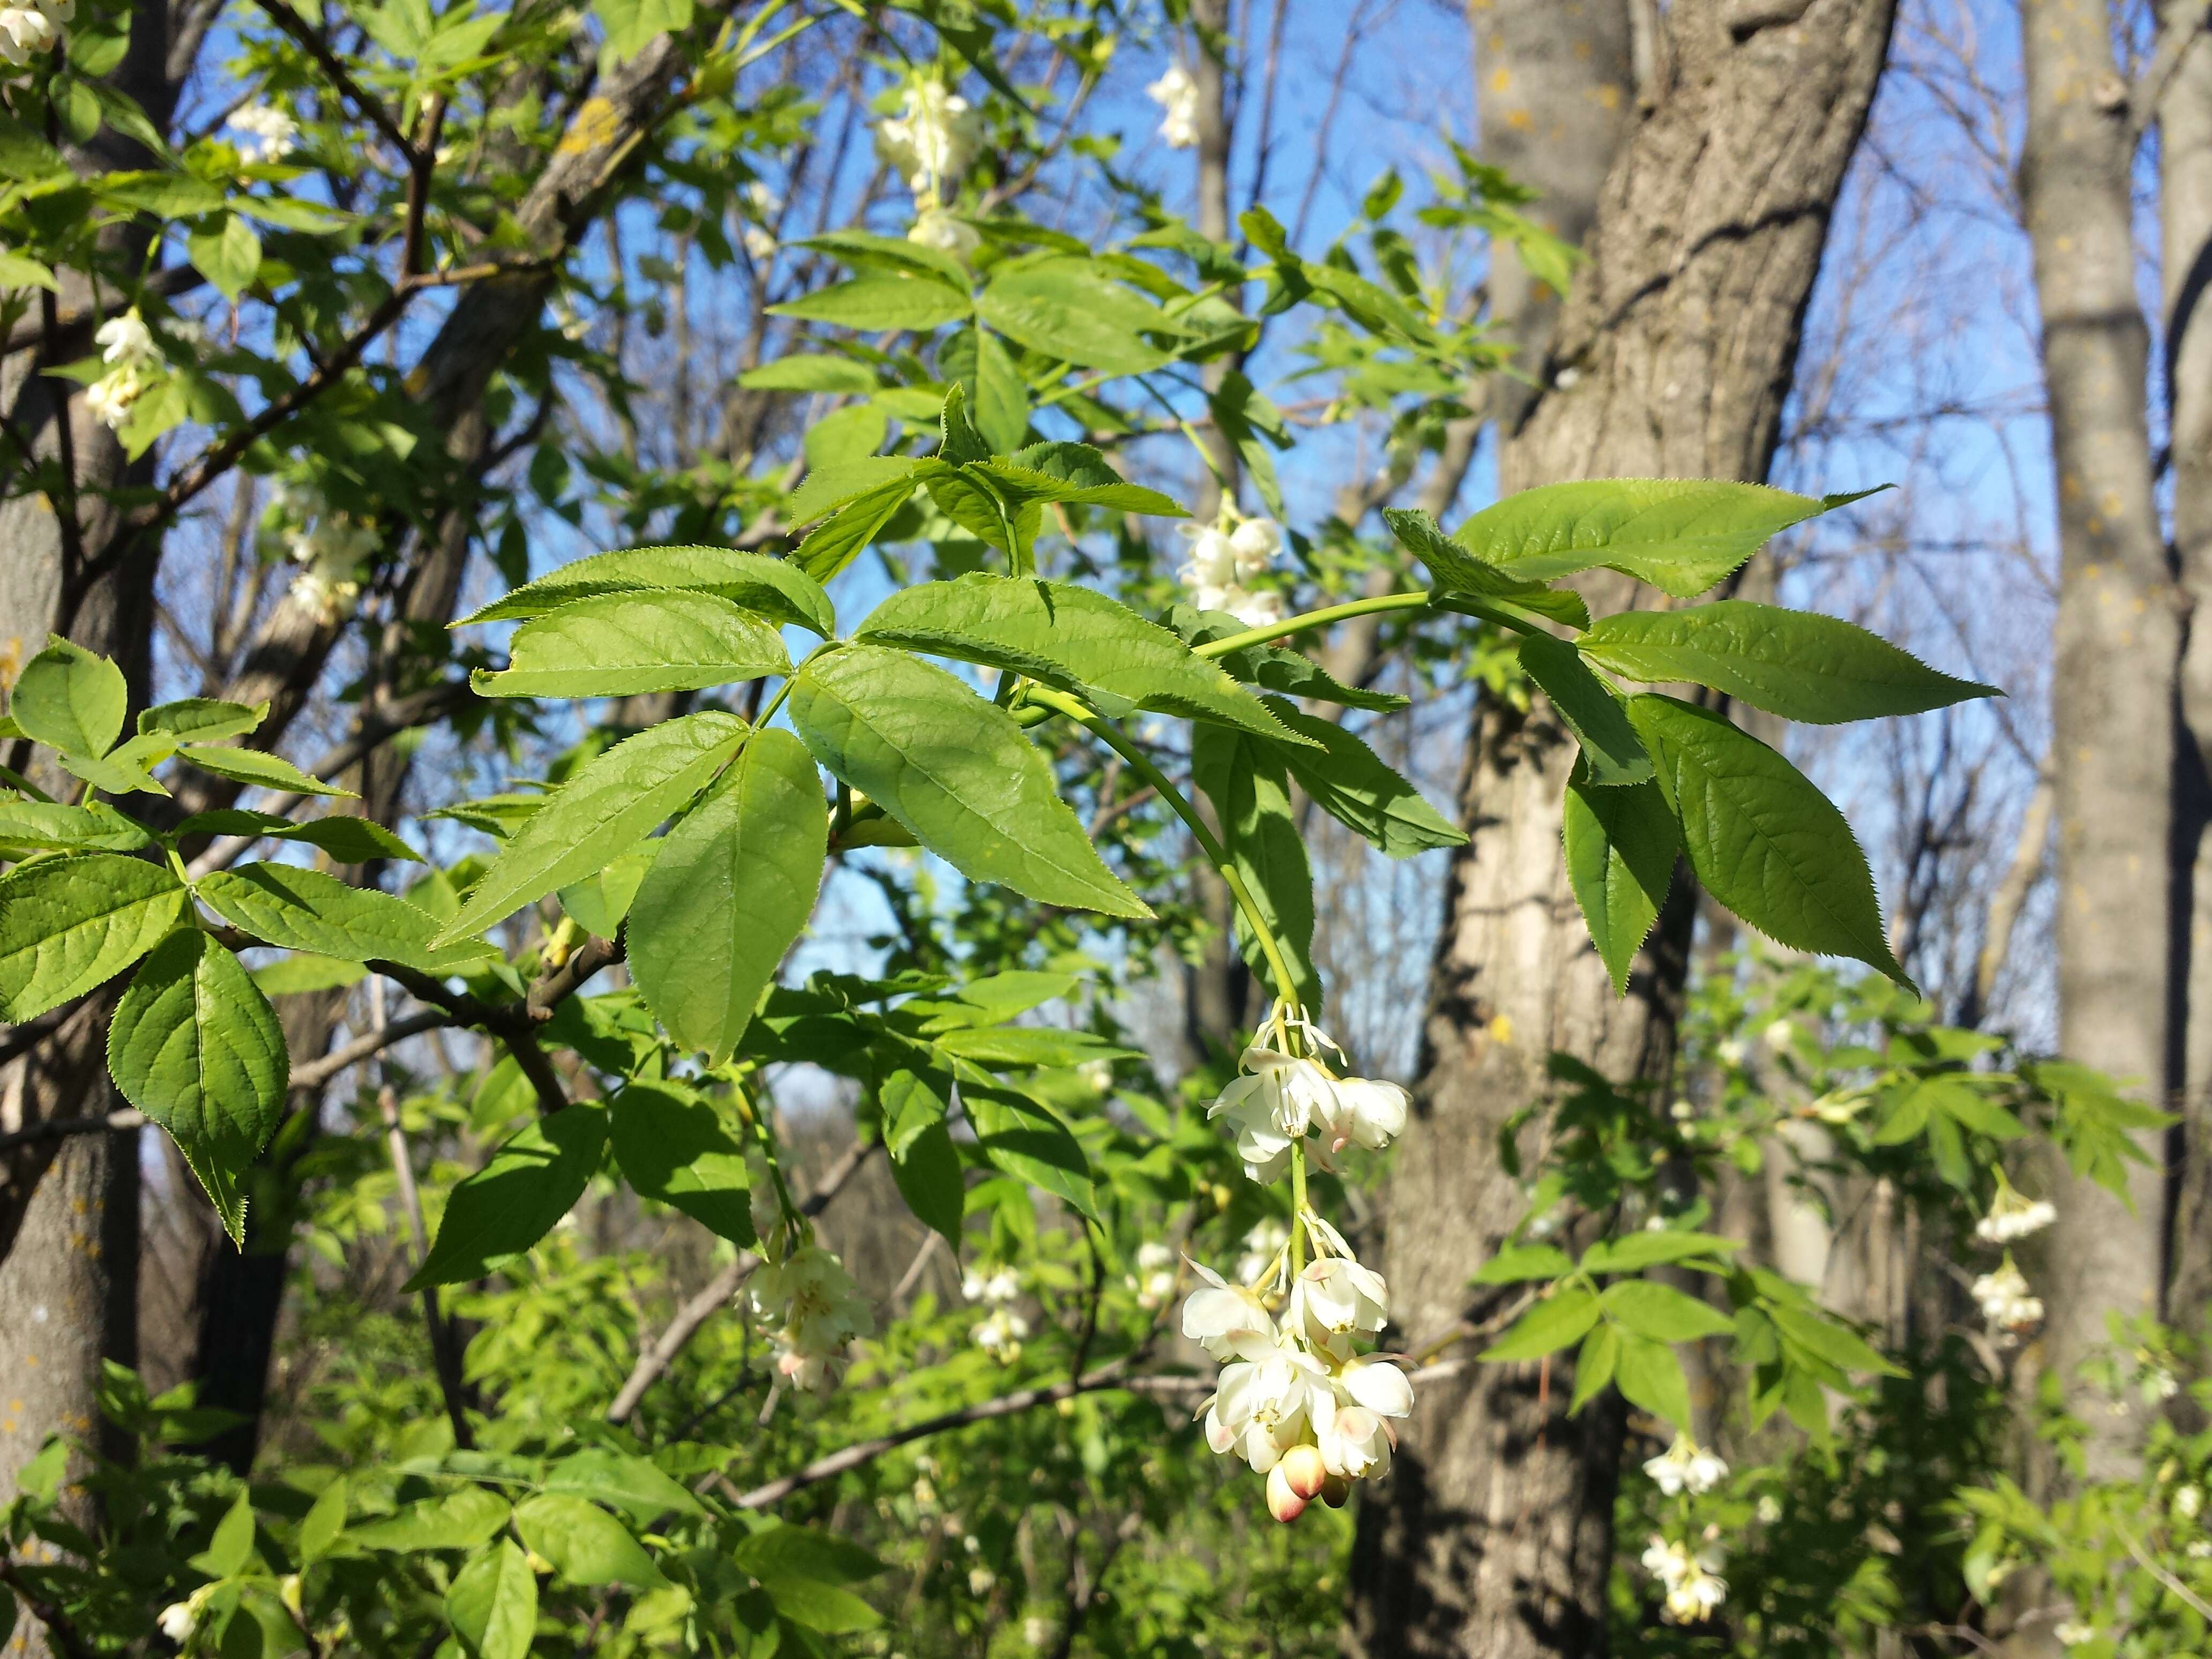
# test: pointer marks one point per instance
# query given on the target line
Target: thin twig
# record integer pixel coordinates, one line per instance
(371, 106)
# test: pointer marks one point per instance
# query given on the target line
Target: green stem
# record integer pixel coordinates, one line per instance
(1313, 619)
(1286, 984)
(1297, 1208)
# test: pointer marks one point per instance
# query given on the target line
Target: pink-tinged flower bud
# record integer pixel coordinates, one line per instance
(1334, 1490)
(1283, 1501)
(1304, 1471)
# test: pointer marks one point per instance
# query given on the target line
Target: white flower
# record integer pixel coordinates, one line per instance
(1355, 1442)
(759, 244)
(1778, 1035)
(1692, 1580)
(815, 1310)
(1177, 94)
(1154, 1281)
(1226, 1320)
(330, 549)
(934, 227)
(1152, 1256)
(981, 1580)
(2188, 1503)
(2199, 1550)
(130, 343)
(1770, 1508)
(109, 398)
(2160, 1383)
(1731, 1052)
(270, 133)
(1685, 1466)
(1369, 1114)
(1260, 1405)
(2073, 1633)
(1376, 1383)
(1224, 558)
(932, 138)
(1004, 1285)
(1000, 1334)
(2004, 1298)
(1254, 545)
(1261, 1246)
(1335, 1297)
(762, 202)
(2014, 1216)
(179, 1618)
(24, 32)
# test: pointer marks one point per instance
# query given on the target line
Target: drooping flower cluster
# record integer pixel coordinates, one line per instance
(28, 30)
(932, 139)
(1225, 557)
(1295, 1399)
(329, 548)
(1691, 1578)
(1281, 1098)
(2014, 1215)
(134, 363)
(2005, 1301)
(1154, 1281)
(1177, 94)
(813, 1312)
(266, 133)
(1266, 1240)
(1685, 1466)
(761, 205)
(1001, 1332)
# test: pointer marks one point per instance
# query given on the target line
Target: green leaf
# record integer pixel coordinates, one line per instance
(775, 588)
(586, 1544)
(1650, 1376)
(927, 1170)
(461, 1520)
(1680, 535)
(532, 1181)
(864, 250)
(1063, 308)
(306, 910)
(622, 1480)
(955, 770)
(48, 827)
(231, 1546)
(617, 645)
(613, 803)
(732, 888)
(1027, 1141)
(71, 699)
(1458, 570)
(303, 971)
(631, 25)
(840, 538)
(1612, 756)
(1762, 840)
(324, 1520)
(69, 924)
(254, 766)
(832, 487)
(1001, 398)
(1350, 782)
(1522, 1262)
(881, 302)
(1245, 778)
(1595, 1365)
(124, 769)
(347, 840)
(1073, 638)
(1557, 1320)
(810, 373)
(805, 1573)
(204, 719)
(1633, 1252)
(959, 443)
(672, 1147)
(851, 434)
(1662, 1312)
(598, 902)
(1790, 662)
(228, 253)
(1074, 473)
(1620, 847)
(1828, 1338)
(197, 1047)
(493, 1603)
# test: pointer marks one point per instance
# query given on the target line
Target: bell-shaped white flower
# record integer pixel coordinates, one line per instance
(1177, 94)
(1376, 1384)
(128, 341)
(1000, 1334)
(2014, 1215)
(1262, 1244)
(25, 31)
(932, 138)
(1355, 1442)
(269, 134)
(1228, 1321)
(109, 399)
(1298, 1094)
(2004, 1298)
(1260, 1406)
(1690, 1578)
(1685, 1466)
(814, 1311)
(1369, 1113)
(1334, 1297)
(934, 227)
(1253, 546)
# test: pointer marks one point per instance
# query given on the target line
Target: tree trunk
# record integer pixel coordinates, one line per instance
(2185, 145)
(2114, 691)
(1493, 1536)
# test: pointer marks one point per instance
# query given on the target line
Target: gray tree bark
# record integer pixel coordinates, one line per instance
(2113, 693)
(1493, 1536)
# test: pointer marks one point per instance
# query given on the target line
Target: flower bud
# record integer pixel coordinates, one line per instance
(1334, 1490)
(1303, 1472)
(1283, 1500)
